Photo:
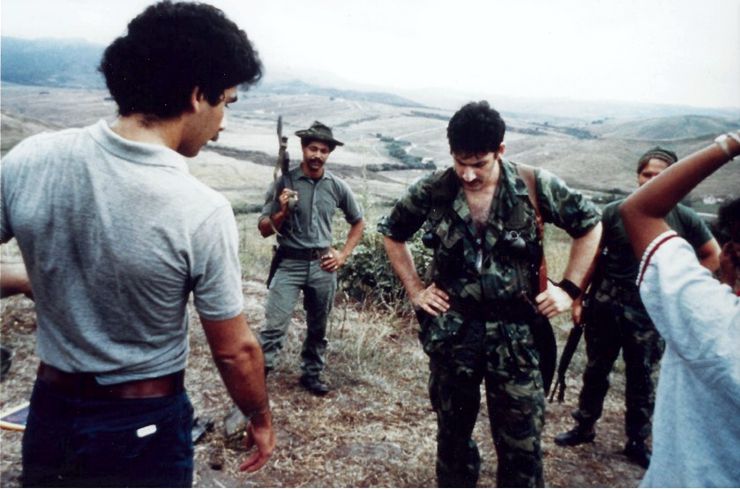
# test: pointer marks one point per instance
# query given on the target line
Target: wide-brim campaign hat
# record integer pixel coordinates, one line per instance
(319, 131)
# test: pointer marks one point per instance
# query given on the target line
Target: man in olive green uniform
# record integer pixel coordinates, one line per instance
(481, 302)
(305, 259)
(615, 320)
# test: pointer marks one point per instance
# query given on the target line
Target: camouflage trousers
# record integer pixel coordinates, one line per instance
(319, 288)
(502, 356)
(612, 326)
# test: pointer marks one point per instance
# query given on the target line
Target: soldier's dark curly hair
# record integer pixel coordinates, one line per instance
(475, 129)
(171, 48)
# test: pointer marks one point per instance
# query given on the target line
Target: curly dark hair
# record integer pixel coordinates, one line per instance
(475, 129)
(170, 49)
(728, 222)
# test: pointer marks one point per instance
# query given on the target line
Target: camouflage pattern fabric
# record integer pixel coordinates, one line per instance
(502, 355)
(492, 279)
(616, 320)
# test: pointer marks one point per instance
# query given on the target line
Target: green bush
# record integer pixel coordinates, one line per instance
(369, 278)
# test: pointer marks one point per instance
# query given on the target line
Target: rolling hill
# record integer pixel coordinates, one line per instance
(47, 84)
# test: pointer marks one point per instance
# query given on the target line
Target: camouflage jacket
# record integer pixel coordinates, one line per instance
(486, 268)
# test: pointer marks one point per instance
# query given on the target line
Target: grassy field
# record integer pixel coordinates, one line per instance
(376, 428)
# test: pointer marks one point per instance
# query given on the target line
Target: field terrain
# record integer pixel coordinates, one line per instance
(376, 427)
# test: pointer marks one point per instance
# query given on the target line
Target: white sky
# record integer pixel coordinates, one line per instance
(664, 51)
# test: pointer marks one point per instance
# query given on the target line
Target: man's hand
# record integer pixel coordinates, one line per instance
(553, 301)
(284, 200)
(332, 260)
(432, 300)
(260, 435)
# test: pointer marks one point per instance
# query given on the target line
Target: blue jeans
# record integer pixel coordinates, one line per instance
(74, 442)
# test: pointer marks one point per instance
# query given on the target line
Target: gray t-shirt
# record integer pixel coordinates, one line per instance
(115, 235)
(309, 224)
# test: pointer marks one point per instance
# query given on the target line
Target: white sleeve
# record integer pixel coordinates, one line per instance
(697, 315)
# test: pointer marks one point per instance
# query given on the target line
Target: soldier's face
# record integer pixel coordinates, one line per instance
(651, 170)
(315, 155)
(477, 170)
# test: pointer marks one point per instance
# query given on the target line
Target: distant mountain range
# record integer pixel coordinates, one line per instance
(64, 63)
(51, 62)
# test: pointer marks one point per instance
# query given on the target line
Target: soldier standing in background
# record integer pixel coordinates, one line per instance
(477, 313)
(305, 259)
(615, 320)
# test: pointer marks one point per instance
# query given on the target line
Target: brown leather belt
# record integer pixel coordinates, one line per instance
(84, 385)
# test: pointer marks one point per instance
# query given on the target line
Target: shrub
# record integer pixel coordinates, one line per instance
(369, 278)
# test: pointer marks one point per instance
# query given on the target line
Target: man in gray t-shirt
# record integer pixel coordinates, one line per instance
(116, 235)
(305, 259)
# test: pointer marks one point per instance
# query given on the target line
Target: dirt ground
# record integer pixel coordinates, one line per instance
(375, 428)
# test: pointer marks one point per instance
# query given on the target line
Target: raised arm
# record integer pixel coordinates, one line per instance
(644, 211)
(272, 223)
(239, 359)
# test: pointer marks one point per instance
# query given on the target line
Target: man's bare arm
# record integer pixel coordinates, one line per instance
(14, 280)
(431, 299)
(239, 359)
(271, 224)
(583, 251)
(644, 211)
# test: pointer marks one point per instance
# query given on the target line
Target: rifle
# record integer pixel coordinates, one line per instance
(282, 179)
(596, 275)
(570, 348)
(282, 166)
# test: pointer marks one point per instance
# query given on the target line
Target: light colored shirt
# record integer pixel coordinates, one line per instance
(116, 235)
(696, 427)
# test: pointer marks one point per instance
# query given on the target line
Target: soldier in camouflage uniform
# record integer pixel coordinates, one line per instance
(478, 309)
(615, 320)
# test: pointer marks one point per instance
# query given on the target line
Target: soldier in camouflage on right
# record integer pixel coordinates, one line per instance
(481, 309)
(615, 319)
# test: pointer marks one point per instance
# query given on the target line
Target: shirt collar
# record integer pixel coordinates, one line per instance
(136, 152)
(297, 174)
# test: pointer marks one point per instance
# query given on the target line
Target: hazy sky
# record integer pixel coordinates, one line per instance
(665, 51)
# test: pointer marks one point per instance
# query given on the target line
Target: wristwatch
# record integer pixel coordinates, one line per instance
(570, 288)
(723, 141)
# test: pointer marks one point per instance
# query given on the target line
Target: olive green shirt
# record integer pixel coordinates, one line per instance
(309, 224)
(617, 258)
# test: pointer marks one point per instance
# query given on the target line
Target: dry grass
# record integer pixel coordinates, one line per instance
(375, 429)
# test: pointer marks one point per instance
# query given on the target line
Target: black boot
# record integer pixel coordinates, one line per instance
(637, 452)
(314, 385)
(576, 436)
